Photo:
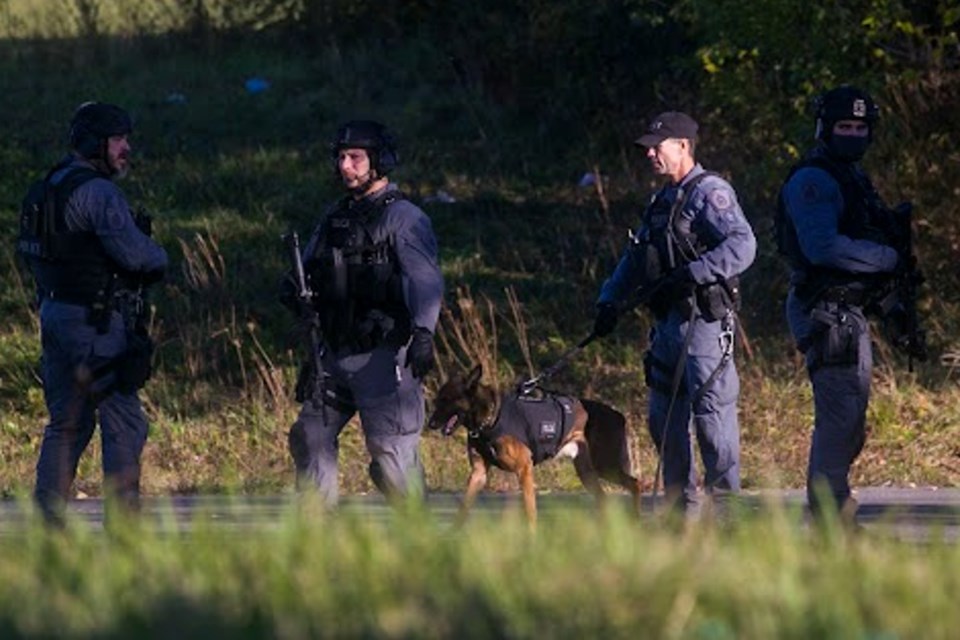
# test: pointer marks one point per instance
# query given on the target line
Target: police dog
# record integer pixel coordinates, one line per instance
(594, 435)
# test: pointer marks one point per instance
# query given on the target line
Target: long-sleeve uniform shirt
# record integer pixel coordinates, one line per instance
(814, 202)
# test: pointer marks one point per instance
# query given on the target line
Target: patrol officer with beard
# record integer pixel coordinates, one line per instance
(91, 258)
(685, 259)
(841, 243)
(373, 268)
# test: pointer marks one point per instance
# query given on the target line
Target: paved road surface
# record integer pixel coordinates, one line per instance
(914, 514)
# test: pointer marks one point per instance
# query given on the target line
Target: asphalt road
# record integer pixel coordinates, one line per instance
(913, 514)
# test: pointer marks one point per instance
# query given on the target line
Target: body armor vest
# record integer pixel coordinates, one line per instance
(863, 218)
(671, 233)
(71, 266)
(356, 277)
(668, 241)
(539, 421)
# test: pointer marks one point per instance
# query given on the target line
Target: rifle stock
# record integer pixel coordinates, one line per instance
(309, 313)
(898, 302)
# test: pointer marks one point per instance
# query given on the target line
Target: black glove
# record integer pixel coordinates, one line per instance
(606, 320)
(420, 352)
(144, 221)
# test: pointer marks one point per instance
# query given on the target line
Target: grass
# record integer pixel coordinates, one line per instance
(524, 251)
(313, 576)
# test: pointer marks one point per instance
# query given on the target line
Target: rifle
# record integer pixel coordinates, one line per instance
(909, 281)
(899, 306)
(642, 295)
(305, 298)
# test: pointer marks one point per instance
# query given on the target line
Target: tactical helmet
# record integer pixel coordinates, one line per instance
(369, 135)
(93, 123)
(844, 103)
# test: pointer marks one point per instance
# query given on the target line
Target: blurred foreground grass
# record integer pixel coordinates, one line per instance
(410, 576)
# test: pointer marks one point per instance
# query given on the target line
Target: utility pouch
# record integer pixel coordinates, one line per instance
(837, 338)
(134, 366)
(716, 299)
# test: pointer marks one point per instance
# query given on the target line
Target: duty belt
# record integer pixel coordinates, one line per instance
(853, 296)
(71, 297)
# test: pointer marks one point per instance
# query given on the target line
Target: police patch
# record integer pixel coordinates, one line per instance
(116, 219)
(720, 199)
(810, 192)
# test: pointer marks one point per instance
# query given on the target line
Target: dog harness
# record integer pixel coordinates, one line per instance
(539, 420)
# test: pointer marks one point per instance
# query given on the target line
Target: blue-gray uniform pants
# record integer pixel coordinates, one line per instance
(391, 407)
(74, 355)
(713, 411)
(841, 393)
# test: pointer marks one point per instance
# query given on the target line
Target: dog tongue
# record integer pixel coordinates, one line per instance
(451, 423)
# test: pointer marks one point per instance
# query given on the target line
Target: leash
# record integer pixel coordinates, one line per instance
(726, 345)
(527, 387)
(677, 379)
(638, 297)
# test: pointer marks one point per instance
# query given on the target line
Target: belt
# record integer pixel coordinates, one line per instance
(845, 295)
(71, 297)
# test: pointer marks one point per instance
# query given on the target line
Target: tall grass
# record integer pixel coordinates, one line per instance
(411, 576)
(524, 249)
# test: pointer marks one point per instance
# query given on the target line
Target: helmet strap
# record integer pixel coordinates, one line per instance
(361, 189)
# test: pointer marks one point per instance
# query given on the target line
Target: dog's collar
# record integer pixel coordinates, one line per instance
(487, 424)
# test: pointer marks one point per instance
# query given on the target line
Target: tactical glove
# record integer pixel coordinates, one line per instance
(420, 357)
(144, 221)
(606, 320)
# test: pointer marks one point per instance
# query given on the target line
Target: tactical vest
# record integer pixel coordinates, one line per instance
(668, 241)
(356, 277)
(71, 266)
(671, 234)
(862, 218)
(539, 421)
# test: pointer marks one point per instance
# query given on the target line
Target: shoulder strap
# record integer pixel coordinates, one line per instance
(687, 190)
(74, 178)
(62, 190)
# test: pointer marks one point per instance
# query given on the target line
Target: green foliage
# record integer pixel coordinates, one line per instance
(314, 576)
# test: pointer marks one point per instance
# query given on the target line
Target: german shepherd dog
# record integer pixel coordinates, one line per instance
(595, 436)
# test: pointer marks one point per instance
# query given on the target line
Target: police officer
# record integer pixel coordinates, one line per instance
(837, 237)
(373, 268)
(683, 263)
(90, 261)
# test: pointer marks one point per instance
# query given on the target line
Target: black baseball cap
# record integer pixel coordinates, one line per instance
(670, 124)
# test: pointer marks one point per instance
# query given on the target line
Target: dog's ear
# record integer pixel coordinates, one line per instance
(473, 378)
